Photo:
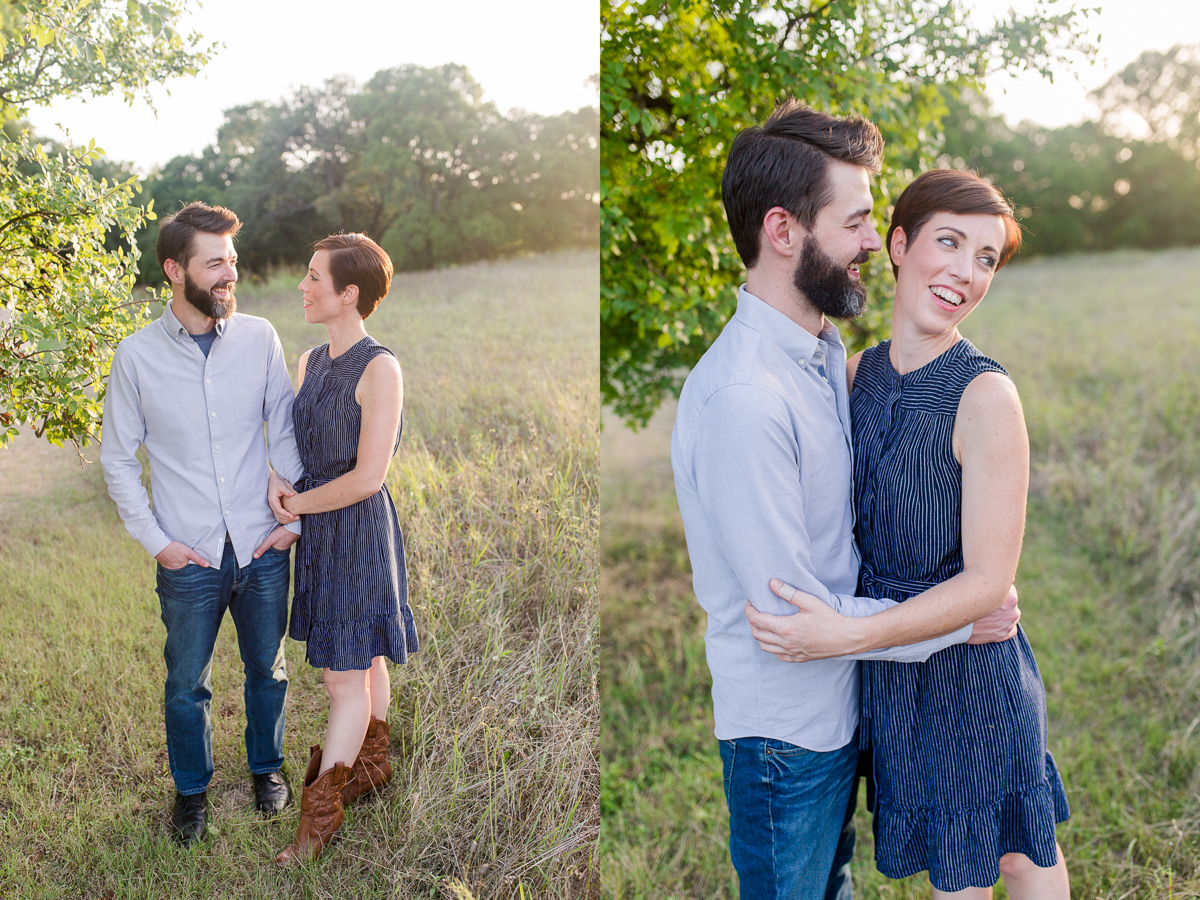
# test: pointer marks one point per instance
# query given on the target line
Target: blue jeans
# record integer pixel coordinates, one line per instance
(193, 602)
(788, 818)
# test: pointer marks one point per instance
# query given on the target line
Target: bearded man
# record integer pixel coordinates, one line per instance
(195, 388)
(761, 453)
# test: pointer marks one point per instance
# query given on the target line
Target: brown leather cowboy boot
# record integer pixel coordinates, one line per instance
(320, 811)
(372, 769)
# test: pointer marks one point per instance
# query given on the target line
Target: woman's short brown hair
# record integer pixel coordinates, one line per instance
(356, 259)
(952, 191)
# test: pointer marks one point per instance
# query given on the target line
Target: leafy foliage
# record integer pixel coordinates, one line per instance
(680, 78)
(64, 294)
(65, 282)
(414, 158)
(1158, 95)
(1091, 186)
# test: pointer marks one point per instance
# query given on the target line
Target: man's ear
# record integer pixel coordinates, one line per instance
(174, 272)
(781, 231)
(897, 245)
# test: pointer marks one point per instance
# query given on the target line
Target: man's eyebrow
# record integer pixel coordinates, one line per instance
(858, 214)
(213, 259)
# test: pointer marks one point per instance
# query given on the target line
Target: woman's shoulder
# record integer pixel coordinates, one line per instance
(312, 358)
(368, 349)
(990, 391)
(871, 367)
(969, 357)
(379, 363)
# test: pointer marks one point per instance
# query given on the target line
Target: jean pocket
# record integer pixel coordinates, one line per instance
(187, 567)
(784, 750)
(180, 579)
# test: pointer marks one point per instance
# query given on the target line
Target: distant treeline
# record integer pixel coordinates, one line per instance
(1130, 180)
(413, 158)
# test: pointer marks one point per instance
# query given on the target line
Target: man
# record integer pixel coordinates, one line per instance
(761, 453)
(194, 388)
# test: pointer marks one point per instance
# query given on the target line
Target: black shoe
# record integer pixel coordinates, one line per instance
(271, 793)
(189, 818)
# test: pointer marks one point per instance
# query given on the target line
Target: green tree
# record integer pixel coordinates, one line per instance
(680, 78)
(1080, 187)
(413, 158)
(1156, 97)
(65, 297)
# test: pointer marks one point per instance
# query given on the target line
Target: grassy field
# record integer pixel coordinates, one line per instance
(494, 722)
(1105, 351)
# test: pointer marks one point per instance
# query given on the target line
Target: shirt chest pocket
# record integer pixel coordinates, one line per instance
(244, 394)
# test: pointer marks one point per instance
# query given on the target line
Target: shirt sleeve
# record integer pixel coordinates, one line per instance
(123, 430)
(277, 411)
(918, 652)
(747, 472)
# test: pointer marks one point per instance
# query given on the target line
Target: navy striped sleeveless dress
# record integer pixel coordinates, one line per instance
(962, 773)
(351, 598)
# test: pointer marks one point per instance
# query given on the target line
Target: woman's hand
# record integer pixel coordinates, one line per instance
(815, 632)
(278, 490)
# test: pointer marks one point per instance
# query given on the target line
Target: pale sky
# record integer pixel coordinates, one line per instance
(1125, 28)
(535, 55)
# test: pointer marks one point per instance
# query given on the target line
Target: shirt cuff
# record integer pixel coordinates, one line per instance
(156, 542)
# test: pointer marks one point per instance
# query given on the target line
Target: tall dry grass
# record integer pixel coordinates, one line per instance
(1104, 350)
(494, 722)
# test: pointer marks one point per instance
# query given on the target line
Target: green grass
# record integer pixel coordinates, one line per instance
(494, 722)
(1105, 351)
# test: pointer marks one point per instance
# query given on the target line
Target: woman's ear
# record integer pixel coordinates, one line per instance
(349, 296)
(897, 245)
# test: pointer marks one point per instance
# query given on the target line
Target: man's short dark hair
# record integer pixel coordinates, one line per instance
(783, 162)
(177, 230)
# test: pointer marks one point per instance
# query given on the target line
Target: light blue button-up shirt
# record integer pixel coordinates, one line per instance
(201, 421)
(763, 466)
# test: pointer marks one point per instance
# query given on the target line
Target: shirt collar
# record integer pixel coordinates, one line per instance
(797, 343)
(175, 328)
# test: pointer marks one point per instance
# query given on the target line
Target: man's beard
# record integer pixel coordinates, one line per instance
(205, 302)
(827, 285)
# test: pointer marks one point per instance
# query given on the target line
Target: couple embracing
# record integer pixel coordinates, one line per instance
(872, 510)
(197, 388)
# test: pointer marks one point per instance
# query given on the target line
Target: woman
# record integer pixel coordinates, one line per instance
(965, 786)
(351, 597)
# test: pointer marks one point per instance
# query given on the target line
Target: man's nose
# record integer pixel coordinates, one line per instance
(871, 240)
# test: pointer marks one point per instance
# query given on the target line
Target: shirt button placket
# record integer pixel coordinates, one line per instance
(210, 396)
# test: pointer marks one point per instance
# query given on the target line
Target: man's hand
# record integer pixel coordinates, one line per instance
(277, 489)
(176, 555)
(1000, 625)
(280, 539)
(815, 632)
